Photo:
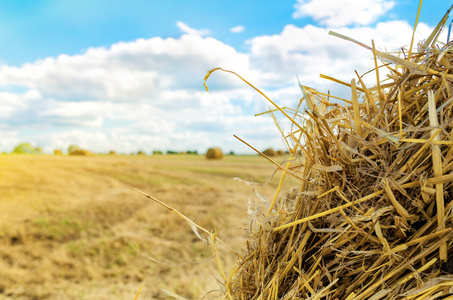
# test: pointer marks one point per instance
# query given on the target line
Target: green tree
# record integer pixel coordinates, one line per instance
(72, 148)
(23, 148)
(27, 148)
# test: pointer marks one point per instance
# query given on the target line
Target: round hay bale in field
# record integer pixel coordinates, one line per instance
(280, 152)
(214, 153)
(57, 152)
(112, 152)
(270, 152)
(81, 152)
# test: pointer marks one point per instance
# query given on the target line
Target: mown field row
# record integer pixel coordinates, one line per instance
(72, 227)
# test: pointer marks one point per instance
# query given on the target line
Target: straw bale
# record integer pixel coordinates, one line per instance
(214, 153)
(57, 152)
(112, 152)
(270, 152)
(371, 217)
(280, 152)
(81, 152)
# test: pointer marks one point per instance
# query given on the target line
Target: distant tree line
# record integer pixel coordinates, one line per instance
(27, 148)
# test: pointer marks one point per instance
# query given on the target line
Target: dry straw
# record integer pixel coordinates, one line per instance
(270, 152)
(372, 216)
(81, 152)
(214, 153)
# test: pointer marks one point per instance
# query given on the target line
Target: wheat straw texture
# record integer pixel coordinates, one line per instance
(371, 217)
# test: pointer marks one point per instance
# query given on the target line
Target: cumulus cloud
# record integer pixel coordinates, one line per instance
(334, 13)
(149, 95)
(130, 91)
(237, 29)
(126, 71)
(310, 50)
(189, 30)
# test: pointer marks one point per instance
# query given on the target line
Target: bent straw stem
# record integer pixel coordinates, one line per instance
(415, 27)
(437, 166)
(280, 184)
(270, 159)
(185, 218)
(328, 212)
(268, 99)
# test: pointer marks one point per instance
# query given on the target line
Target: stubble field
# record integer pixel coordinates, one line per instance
(72, 227)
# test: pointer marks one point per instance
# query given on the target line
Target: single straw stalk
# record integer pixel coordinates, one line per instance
(437, 166)
(214, 237)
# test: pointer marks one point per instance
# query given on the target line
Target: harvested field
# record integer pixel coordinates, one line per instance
(67, 223)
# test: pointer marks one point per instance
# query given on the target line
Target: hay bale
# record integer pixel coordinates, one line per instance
(371, 216)
(270, 152)
(112, 152)
(57, 152)
(214, 153)
(81, 152)
(281, 152)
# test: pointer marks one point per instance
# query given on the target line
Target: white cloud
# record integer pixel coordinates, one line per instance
(82, 114)
(127, 71)
(337, 13)
(149, 95)
(310, 50)
(189, 30)
(237, 29)
(9, 139)
(143, 94)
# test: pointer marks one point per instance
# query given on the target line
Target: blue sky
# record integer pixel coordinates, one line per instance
(128, 75)
(50, 28)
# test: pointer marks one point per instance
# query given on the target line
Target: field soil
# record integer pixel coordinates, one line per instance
(72, 227)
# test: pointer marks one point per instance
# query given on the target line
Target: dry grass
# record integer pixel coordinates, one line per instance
(67, 223)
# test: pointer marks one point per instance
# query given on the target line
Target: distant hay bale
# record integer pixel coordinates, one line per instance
(58, 152)
(81, 152)
(214, 153)
(280, 152)
(270, 152)
(112, 152)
